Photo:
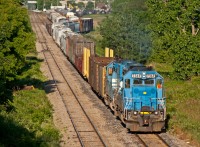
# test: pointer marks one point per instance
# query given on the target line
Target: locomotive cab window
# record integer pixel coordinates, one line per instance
(137, 81)
(127, 83)
(149, 82)
(159, 83)
(110, 71)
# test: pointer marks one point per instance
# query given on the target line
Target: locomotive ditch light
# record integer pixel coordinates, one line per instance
(156, 112)
(135, 112)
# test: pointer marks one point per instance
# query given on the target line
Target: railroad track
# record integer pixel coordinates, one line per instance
(151, 140)
(86, 131)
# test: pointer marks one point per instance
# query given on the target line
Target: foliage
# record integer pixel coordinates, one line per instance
(125, 30)
(95, 35)
(16, 40)
(89, 6)
(31, 121)
(183, 100)
(28, 122)
(81, 5)
(183, 106)
(175, 32)
(46, 4)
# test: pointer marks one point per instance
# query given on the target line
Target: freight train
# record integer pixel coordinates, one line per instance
(133, 91)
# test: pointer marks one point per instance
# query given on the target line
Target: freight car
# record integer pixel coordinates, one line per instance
(64, 18)
(134, 92)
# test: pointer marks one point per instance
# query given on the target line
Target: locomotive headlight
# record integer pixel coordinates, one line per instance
(135, 112)
(156, 112)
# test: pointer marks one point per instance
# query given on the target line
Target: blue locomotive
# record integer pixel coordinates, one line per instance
(133, 91)
(136, 95)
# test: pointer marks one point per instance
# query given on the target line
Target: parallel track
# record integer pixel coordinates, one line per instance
(151, 140)
(87, 133)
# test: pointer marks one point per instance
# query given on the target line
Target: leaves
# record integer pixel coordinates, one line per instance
(175, 25)
(125, 30)
(16, 39)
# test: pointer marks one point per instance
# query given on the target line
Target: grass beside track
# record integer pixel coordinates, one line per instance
(183, 105)
(29, 122)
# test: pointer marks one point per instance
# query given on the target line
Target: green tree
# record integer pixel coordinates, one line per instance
(16, 40)
(125, 30)
(175, 32)
(89, 6)
(81, 5)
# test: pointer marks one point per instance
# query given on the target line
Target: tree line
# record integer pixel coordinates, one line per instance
(16, 40)
(156, 31)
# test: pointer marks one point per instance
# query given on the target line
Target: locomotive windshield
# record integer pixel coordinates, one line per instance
(144, 82)
(127, 83)
(137, 81)
(149, 82)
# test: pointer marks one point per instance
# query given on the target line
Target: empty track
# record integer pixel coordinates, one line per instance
(86, 131)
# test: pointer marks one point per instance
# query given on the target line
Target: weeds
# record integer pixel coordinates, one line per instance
(183, 101)
(29, 122)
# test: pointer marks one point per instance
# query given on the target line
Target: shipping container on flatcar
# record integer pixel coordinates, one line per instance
(86, 25)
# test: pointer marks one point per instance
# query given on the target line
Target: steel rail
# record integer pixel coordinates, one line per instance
(79, 136)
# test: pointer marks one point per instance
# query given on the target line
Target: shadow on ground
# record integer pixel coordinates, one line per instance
(17, 136)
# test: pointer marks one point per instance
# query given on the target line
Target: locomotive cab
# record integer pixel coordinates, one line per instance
(136, 94)
(144, 101)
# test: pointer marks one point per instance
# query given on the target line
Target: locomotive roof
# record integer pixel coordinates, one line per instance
(141, 68)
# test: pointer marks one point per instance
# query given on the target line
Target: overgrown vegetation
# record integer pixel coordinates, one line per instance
(28, 121)
(175, 30)
(182, 104)
(125, 30)
(95, 34)
(25, 115)
(16, 40)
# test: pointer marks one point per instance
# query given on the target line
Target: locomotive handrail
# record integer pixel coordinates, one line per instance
(159, 98)
(130, 101)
